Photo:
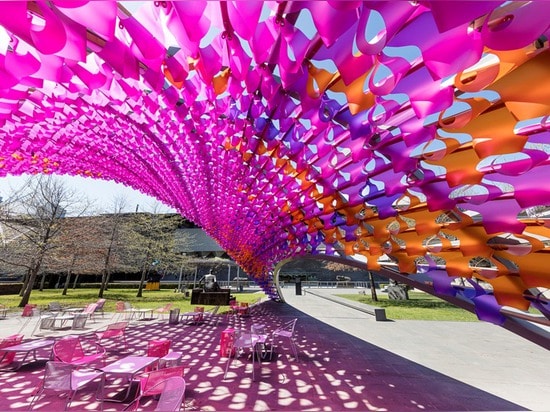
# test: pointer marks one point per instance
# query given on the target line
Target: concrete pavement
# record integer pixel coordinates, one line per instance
(479, 354)
(347, 361)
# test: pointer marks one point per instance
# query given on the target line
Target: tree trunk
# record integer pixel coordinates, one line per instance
(66, 285)
(108, 280)
(42, 281)
(103, 285)
(142, 280)
(372, 287)
(27, 293)
(75, 280)
(25, 282)
(68, 278)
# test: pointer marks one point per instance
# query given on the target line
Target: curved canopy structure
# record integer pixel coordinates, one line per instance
(403, 135)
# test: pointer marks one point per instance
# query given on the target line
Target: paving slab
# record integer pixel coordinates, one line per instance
(479, 354)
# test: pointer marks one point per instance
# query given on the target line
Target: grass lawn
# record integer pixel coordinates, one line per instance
(151, 298)
(420, 306)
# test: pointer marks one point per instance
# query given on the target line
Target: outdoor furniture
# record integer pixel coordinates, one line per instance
(140, 313)
(27, 348)
(113, 331)
(69, 349)
(149, 379)
(164, 310)
(99, 308)
(195, 317)
(7, 358)
(226, 342)
(127, 368)
(172, 395)
(28, 310)
(64, 378)
(3, 311)
(161, 349)
(79, 320)
(286, 331)
(241, 342)
(210, 315)
(55, 307)
(89, 310)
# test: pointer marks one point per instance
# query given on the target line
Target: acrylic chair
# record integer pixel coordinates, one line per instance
(63, 377)
(286, 331)
(99, 308)
(113, 331)
(172, 395)
(6, 358)
(164, 310)
(148, 380)
(89, 310)
(210, 315)
(241, 342)
(69, 349)
(160, 348)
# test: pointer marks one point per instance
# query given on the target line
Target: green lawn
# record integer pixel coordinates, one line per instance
(150, 299)
(420, 306)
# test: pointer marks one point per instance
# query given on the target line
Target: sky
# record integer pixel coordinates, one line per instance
(101, 192)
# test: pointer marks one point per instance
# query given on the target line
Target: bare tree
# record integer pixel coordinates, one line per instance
(113, 240)
(152, 238)
(37, 213)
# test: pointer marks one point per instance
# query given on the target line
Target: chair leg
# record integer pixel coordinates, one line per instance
(35, 398)
(229, 361)
(294, 348)
(69, 400)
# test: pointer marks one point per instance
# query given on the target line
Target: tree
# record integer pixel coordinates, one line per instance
(152, 239)
(113, 240)
(37, 213)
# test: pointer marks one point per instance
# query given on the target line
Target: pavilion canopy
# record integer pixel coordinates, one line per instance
(411, 133)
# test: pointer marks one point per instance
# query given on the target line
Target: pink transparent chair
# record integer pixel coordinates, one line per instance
(164, 310)
(63, 377)
(89, 311)
(113, 331)
(158, 347)
(70, 350)
(99, 308)
(286, 331)
(241, 342)
(172, 395)
(6, 358)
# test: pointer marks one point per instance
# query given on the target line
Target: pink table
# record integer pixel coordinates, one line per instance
(28, 347)
(128, 368)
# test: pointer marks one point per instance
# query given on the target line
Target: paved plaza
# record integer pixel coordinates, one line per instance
(347, 361)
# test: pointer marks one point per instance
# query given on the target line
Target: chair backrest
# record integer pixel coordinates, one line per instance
(115, 329)
(11, 340)
(68, 349)
(100, 303)
(165, 308)
(158, 347)
(119, 306)
(28, 310)
(288, 326)
(90, 308)
(57, 376)
(149, 381)
(55, 307)
(172, 395)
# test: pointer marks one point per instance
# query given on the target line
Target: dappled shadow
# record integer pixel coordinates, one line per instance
(335, 371)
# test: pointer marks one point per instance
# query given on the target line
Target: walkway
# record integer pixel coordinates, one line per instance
(470, 365)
